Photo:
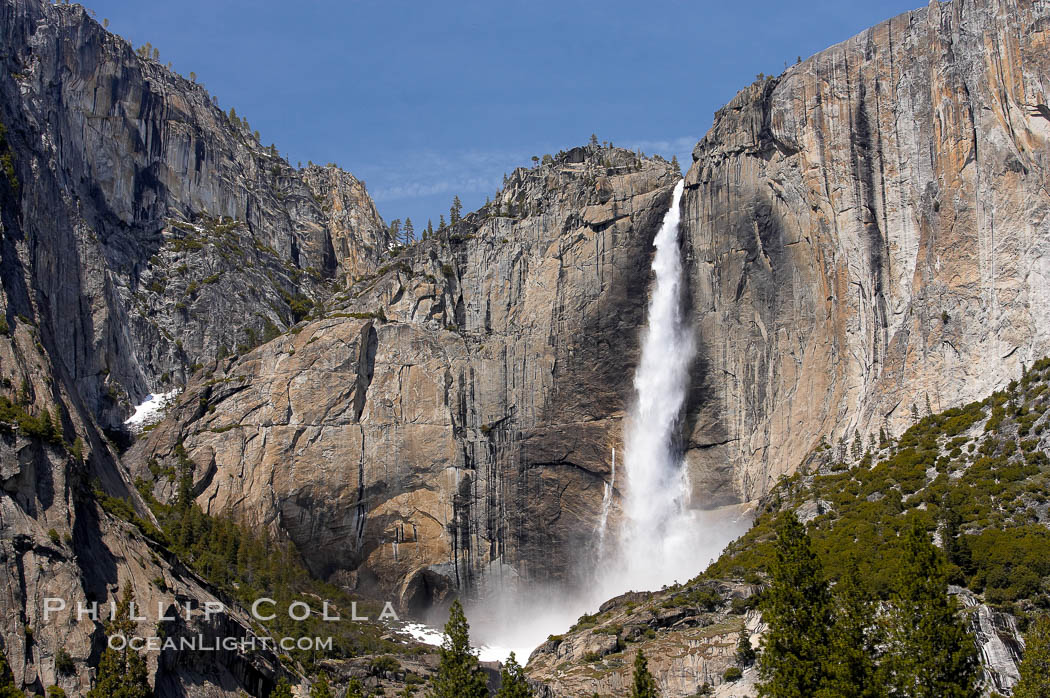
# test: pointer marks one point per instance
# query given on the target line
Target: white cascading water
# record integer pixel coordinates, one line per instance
(607, 499)
(659, 539)
(657, 542)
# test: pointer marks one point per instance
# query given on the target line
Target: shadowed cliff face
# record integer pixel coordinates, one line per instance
(471, 420)
(141, 230)
(866, 230)
(154, 228)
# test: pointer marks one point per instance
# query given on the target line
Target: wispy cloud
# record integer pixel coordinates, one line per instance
(672, 146)
(429, 173)
(420, 174)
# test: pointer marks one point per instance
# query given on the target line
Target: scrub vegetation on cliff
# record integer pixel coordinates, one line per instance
(975, 476)
(248, 566)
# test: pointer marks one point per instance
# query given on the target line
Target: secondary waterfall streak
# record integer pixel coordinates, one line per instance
(607, 496)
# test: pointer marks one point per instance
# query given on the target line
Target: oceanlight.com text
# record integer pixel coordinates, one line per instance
(200, 643)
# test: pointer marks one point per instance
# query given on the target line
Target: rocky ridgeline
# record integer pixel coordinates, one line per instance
(443, 412)
(690, 635)
(146, 223)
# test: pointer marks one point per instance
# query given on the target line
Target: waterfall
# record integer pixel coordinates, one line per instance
(659, 536)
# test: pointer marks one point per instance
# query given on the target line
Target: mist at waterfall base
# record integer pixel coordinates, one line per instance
(520, 619)
(661, 537)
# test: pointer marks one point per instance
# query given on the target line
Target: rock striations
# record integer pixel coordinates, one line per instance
(868, 231)
(141, 230)
(153, 228)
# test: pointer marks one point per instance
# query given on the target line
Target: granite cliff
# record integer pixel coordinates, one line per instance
(142, 230)
(151, 228)
(868, 232)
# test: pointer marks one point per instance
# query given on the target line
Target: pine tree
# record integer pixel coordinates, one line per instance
(441, 221)
(458, 675)
(121, 673)
(956, 545)
(594, 140)
(282, 690)
(1035, 666)
(430, 227)
(797, 608)
(914, 412)
(455, 210)
(513, 681)
(745, 653)
(7, 681)
(320, 688)
(395, 231)
(644, 685)
(410, 232)
(853, 648)
(932, 654)
(674, 163)
(354, 689)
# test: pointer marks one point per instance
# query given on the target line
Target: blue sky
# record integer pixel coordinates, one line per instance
(425, 100)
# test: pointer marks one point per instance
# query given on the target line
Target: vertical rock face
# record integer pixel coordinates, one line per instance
(141, 230)
(454, 410)
(999, 642)
(56, 542)
(868, 232)
(154, 228)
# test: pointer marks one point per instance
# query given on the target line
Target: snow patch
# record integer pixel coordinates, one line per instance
(150, 411)
(486, 653)
(425, 634)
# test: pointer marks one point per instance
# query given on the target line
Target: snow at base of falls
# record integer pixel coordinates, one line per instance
(486, 653)
(150, 411)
